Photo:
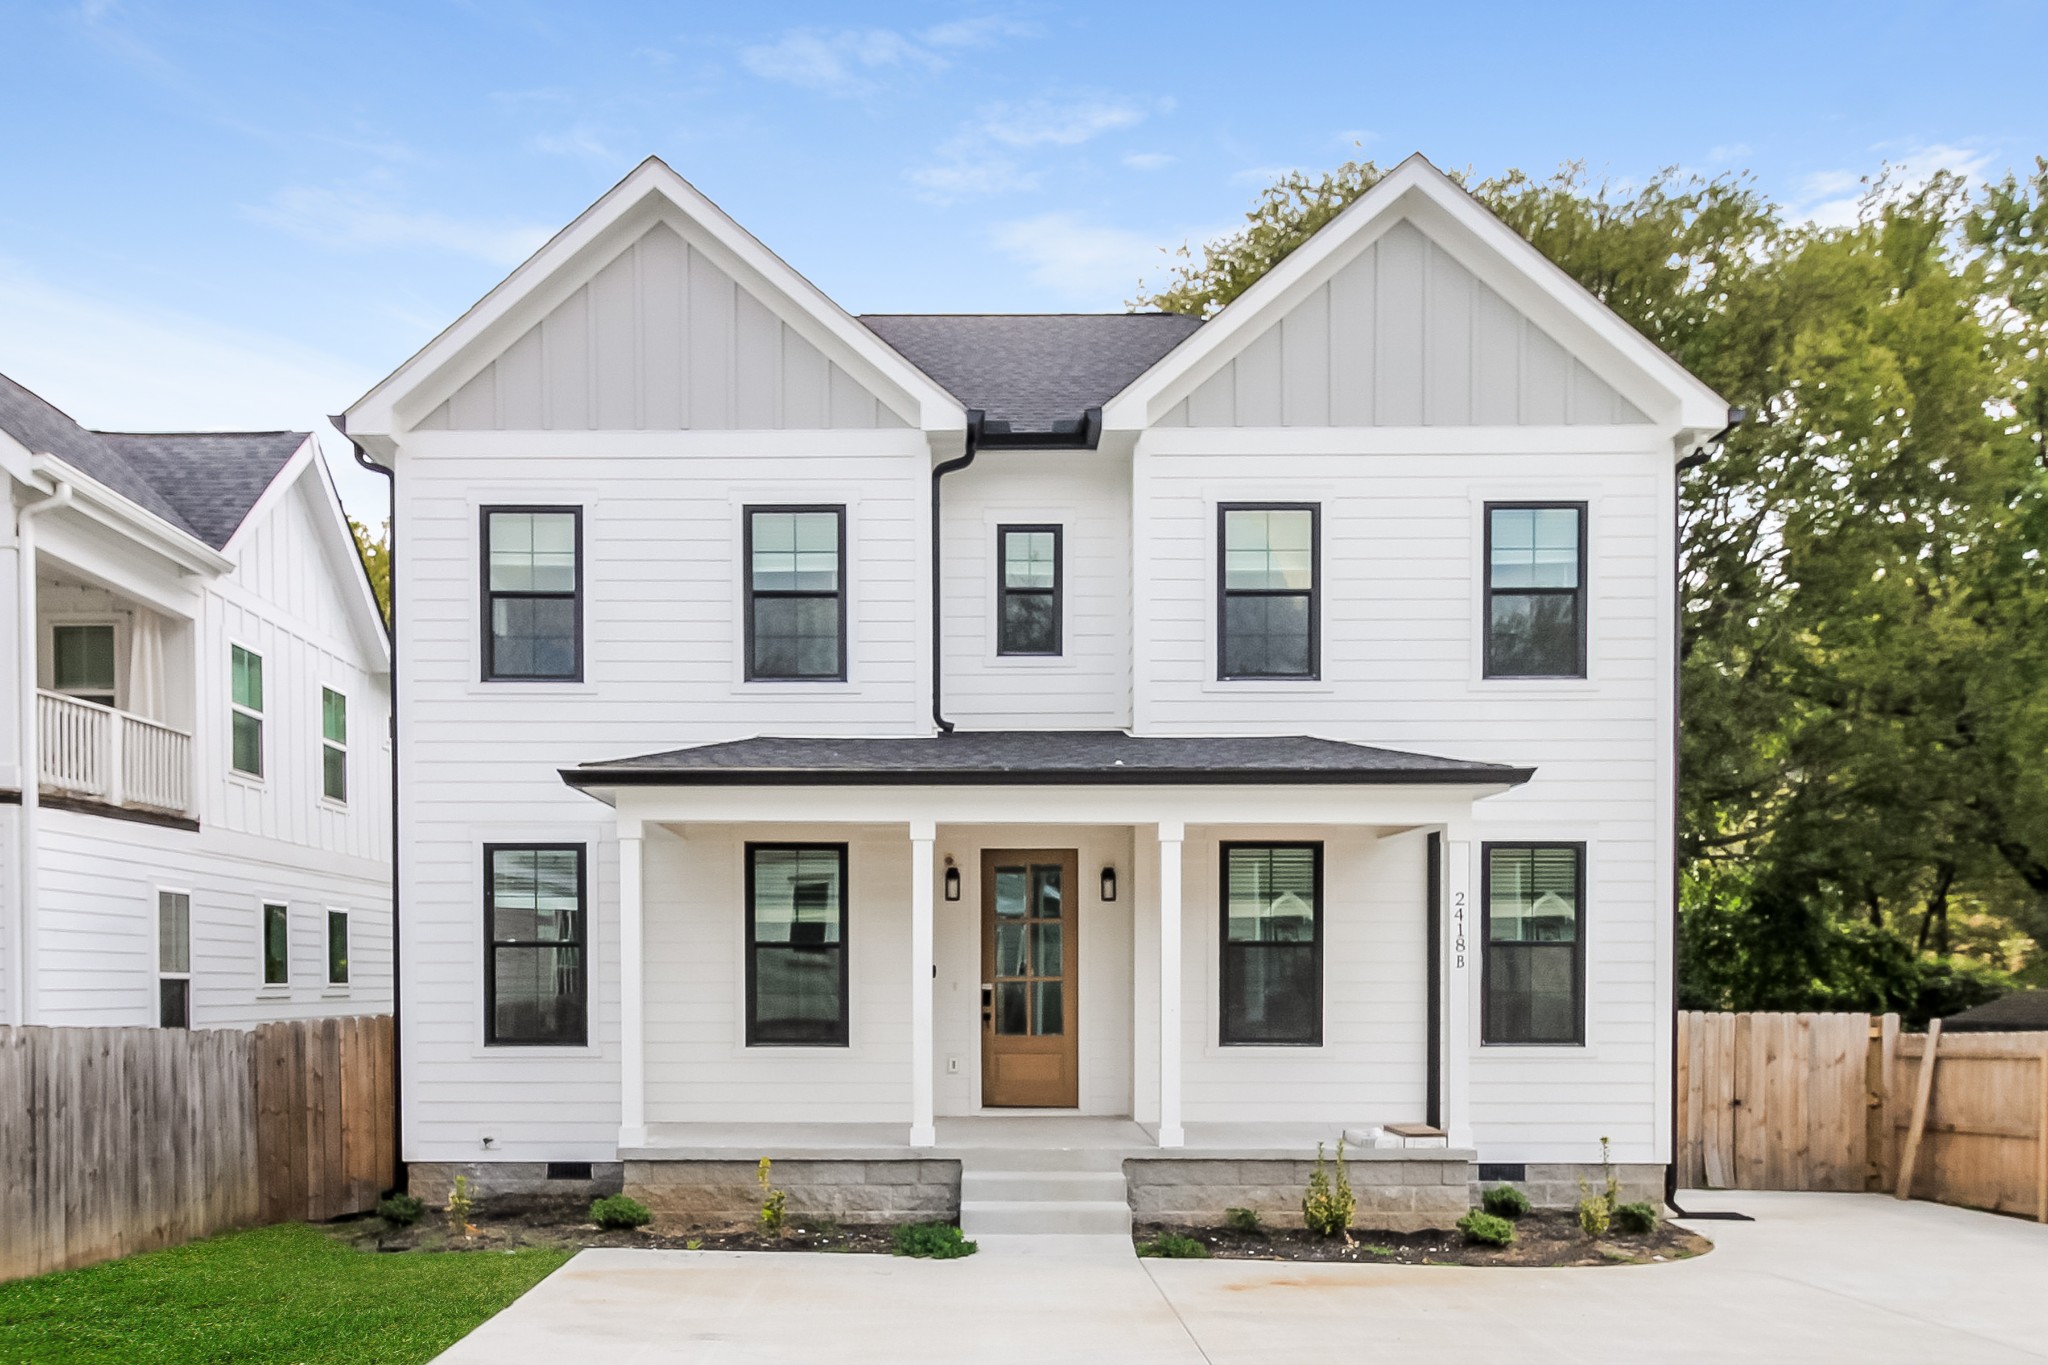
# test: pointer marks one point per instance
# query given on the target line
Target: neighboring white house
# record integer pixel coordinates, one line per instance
(195, 761)
(1290, 752)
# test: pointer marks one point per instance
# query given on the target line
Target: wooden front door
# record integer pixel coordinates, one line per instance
(1029, 1051)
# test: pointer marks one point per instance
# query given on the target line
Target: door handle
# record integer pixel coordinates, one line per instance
(988, 1004)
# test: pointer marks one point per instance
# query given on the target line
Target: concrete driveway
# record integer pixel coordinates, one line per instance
(1817, 1277)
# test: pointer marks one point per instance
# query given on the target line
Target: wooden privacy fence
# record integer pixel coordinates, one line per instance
(119, 1140)
(1828, 1102)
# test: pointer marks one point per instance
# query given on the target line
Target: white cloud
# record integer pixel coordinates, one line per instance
(116, 367)
(1078, 262)
(840, 62)
(1148, 161)
(353, 219)
(1726, 152)
(1055, 122)
(976, 160)
(581, 142)
(945, 181)
(1835, 198)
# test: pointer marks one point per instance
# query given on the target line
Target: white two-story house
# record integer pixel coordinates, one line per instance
(906, 740)
(195, 765)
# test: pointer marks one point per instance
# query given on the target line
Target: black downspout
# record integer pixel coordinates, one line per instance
(391, 631)
(940, 471)
(1433, 1091)
(1698, 457)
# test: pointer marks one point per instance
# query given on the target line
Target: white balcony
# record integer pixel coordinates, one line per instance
(99, 754)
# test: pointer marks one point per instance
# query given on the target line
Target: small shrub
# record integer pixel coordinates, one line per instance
(1637, 1219)
(1327, 1207)
(1171, 1246)
(932, 1241)
(1593, 1216)
(1243, 1220)
(774, 1213)
(1486, 1228)
(1505, 1201)
(694, 1244)
(619, 1211)
(461, 1205)
(401, 1210)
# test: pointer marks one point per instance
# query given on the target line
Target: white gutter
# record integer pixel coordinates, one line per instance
(25, 886)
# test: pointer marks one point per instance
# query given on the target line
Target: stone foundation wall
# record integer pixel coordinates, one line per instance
(713, 1193)
(1405, 1193)
(507, 1186)
(1555, 1184)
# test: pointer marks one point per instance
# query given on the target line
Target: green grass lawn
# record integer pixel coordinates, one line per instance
(281, 1294)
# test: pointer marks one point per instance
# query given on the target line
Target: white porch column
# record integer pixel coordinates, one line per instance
(1461, 969)
(1171, 1134)
(632, 993)
(922, 1131)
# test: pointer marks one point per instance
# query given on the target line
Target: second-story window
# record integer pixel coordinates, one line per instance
(82, 662)
(796, 594)
(333, 745)
(1030, 565)
(246, 713)
(1266, 623)
(1535, 590)
(533, 594)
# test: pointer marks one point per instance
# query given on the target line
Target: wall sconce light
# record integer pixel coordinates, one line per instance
(1108, 884)
(952, 880)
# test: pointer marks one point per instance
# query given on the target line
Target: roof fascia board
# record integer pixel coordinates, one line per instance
(102, 504)
(344, 560)
(1538, 286)
(652, 192)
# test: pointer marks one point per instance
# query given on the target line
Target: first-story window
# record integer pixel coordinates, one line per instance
(1266, 579)
(1535, 590)
(1030, 621)
(533, 594)
(337, 947)
(277, 945)
(796, 593)
(1534, 907)
(333, 745)
(245, 717)
(174, 959)
(1272, 947)
(534, 925)
(796, 945)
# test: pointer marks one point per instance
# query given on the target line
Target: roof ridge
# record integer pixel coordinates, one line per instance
(279, 431)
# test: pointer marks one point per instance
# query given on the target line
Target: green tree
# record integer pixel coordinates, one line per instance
(375, 548)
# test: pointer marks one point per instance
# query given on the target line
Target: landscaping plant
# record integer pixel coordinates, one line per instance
(1486, 1228)
(1243, 1220)
(932, 1241)
(401, 1210)
(1505, 1201)
(461, 1206)
(1637, 1219)
(1327, 1207)
(774, 1216)
(1172, 1246)
(619, 1211)
(1593, 1216)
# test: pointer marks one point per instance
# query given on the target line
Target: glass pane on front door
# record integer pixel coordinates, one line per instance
(1030, 951)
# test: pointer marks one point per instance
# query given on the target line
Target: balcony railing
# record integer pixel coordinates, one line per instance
(107, 755)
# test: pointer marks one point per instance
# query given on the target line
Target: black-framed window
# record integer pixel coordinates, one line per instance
(533, 594)
(1535, 590)
(535, 924)
(174, 959)
(796, 594)
(1533, 910)
(277, 944)
(1272, 950)
(1266, 578)
(1028, 557)
(337, 947)
(796, 945)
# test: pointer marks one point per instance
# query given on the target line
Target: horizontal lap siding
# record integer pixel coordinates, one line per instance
(662, 667)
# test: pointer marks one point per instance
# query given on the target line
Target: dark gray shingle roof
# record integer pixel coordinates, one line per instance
(2020, 1012)
(203, 483)
(999, 757)
(1032, 369)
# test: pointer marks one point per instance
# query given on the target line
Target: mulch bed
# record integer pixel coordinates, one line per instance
(572, 1230)
(1542, 1237)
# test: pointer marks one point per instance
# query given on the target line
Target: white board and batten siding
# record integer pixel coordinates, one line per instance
(277, 840)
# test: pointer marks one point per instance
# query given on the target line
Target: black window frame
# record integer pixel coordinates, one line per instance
(284, 922)
(750, 593)
(1578, 594)
(492, 942)
(1057, 592)
(342, 918)
(487, 653)
(1486, 944)
(1314, 593)
(1224, 945)
(752, 946)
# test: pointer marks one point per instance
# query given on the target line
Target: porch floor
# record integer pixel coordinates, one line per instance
(960, 1136)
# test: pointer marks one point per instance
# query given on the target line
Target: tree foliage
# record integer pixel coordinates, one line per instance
(1864, 806)
(375, 548)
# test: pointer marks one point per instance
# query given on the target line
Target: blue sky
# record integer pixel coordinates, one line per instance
(222, 214)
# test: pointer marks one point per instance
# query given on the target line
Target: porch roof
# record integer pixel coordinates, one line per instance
(1039, 757)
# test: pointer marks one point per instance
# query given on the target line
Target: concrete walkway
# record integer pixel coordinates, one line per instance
(1816, 1278)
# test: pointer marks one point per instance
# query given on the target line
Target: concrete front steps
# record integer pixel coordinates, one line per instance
(1013, 1195)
